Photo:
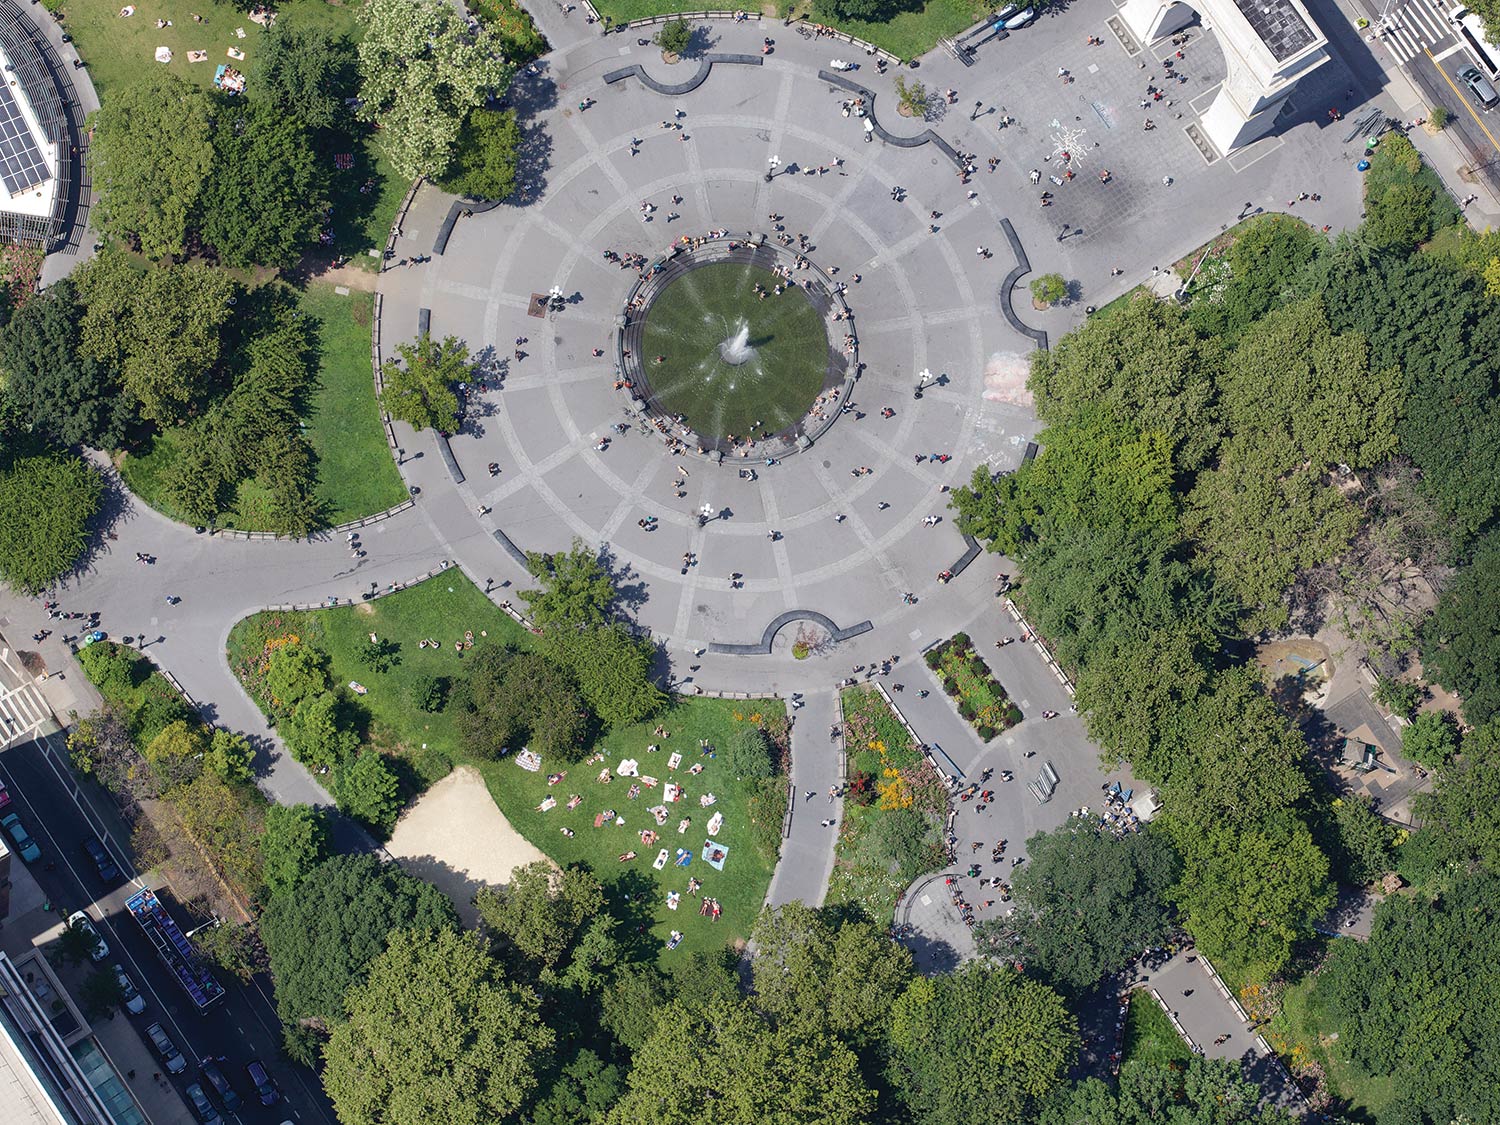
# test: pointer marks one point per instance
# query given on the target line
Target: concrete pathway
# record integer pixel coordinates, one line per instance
(807, 853)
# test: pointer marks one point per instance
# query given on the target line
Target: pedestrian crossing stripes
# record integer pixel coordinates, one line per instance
(22, 711)
(1407, 29)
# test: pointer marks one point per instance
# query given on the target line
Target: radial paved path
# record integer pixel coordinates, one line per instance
(807, 853)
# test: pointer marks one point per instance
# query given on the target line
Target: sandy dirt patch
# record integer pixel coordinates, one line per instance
(457, 839)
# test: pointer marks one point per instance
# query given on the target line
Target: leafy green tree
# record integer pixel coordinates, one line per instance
(1049, 288)
(378, 655)
(484, 157)
(295, 671)
(509, 699)
(322, 931)
(1249, 893)
(304, 72)
(435, 1033)
(315, 734)
(1461, 640)
(1415, 1003)
(99, 993)
(428, 692)
(539, 915)
(841, 975)
(1270, 255)
(161, 329)
(114, 669)
(149, 157)
(1146, 366)
(629, 1005)
(233, 947)
(230, 756)
(1431, 739)
(1399, 217)
(612, 668)
(422, 70)
(905, 842)
(68, 398)
(47, 504)
(724, 1065)
(1201, 1092)
(674, 36)
(419, 391)
(265, 194)
(1401, 697)
(228, 822)
(1365, 843)
(369, 791)
(100, 745)
(296, 841)
(575, 589)
(747, 753)
(176, 754)
(1088, 903)
(981, 1036)
(1460, 817)
(582, 1092)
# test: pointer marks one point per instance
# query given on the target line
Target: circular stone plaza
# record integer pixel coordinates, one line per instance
(745, 325)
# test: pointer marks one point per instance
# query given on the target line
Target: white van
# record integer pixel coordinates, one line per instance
(1473, 34)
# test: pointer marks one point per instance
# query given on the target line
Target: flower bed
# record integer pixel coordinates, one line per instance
(977, 694)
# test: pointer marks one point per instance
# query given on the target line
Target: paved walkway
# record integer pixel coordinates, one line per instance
(807, 853)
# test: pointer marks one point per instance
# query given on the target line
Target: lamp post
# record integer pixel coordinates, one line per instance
(922, 381)
(772, 163)
(556, 295)
(975, 115)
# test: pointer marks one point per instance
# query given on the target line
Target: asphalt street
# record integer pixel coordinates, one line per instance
(242, 1026)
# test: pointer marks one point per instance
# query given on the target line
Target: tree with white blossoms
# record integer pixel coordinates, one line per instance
(422, 70)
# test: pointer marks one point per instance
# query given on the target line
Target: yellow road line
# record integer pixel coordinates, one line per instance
(1468, 105)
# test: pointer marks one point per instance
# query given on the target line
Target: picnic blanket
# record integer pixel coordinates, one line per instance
(714, 854)
(528, 760)
(715, 823)
(661, 859)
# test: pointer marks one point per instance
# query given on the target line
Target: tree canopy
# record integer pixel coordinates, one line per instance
(1461, 641)
(149, 158)
(423, 69)
(304, 71)
(1087, 903)
(510, 698)
(484, 156)
(323, 932)
(48, 502)
(421, 390)
(435, 1033)
(980, 1036)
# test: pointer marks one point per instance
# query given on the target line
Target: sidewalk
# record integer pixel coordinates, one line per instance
(807, 853)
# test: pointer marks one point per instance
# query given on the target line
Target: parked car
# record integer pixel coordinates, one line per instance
(171, 1057)
(24, 843)
(201, 1105)
(1020, 19)
(265, 1089)
(102, 861)
(4, 795)
(134, 1003)
(78, 920)
(215, 1078)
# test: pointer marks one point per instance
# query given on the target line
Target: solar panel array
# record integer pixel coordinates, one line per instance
(21, 163)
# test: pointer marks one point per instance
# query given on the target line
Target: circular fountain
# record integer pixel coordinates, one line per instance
(731, 351)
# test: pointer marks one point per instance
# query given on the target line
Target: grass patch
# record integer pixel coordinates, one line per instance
(356, 476)
(906, 35)
(868, 721)
(423, 748)
(1117, 306)
(1297, 1033)
(1149, 1034)
(855, 881)
(696, 313)
(1392, 164)
(965, 676)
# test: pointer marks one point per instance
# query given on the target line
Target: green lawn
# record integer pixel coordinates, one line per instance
(1298, 1035)
(886, 773)
(696, 313)
(423, 748)
(1149, 1033)
(356, 476)
(907, 35)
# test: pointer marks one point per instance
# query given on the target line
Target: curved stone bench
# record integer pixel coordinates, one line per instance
(705, 65)
(763, 646)
(1023, 267)
(926, 136)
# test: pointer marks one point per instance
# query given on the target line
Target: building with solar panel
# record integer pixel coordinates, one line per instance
(39, 158)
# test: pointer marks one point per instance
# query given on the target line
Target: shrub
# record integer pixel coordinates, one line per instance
(115, 670)
(912, 97)
(428, 692)
(747, 753)
(1400, 696)
(1431, 739)
(1439, 117)
(903, 842)
(1049, 288)
(674, 36)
